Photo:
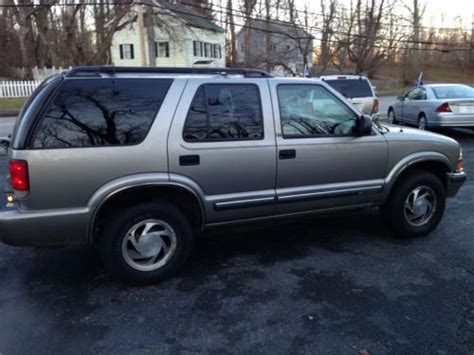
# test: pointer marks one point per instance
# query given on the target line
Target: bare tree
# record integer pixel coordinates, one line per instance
(369, 36)
(328, 11)
(230, 27)
(248, 8)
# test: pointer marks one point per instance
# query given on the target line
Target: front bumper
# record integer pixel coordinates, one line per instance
(44, 228)
(454, 182)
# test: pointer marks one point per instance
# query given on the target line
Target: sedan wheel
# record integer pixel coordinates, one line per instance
(391, 117)
(422, 123)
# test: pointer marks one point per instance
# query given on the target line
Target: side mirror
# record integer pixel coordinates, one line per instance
(400, 98)
(363, 126)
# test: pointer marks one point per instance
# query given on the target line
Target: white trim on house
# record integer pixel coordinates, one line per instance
(177, 41)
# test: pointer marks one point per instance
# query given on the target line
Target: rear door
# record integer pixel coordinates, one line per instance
(222, 141)
(321, 163)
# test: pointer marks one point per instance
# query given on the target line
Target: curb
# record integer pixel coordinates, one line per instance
(9, 113)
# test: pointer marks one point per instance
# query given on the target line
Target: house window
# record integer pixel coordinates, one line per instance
(162, 49)
(126, 51)
(197, 48)
(207, 50)
(217, 51)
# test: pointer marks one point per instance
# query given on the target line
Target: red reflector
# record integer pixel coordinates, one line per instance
(375, 109)
(444, 108)
(19, 175)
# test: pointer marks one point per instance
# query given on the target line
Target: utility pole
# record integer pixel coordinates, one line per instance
(471, 50)
(141, 35)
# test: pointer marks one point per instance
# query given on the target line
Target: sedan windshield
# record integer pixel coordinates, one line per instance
(454, 92)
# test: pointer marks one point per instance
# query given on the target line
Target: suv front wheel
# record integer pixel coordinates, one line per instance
(146, 243)
(416, 204)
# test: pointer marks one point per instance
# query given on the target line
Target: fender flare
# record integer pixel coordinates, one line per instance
(407, 162)
(131, 182)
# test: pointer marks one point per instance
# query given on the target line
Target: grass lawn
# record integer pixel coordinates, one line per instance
(12, 103)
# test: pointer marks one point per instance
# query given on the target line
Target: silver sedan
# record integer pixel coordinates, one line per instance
(435, 105)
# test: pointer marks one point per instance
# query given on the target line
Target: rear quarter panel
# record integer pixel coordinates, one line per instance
(67, 178)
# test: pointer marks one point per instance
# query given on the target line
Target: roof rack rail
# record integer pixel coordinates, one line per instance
(88, 71)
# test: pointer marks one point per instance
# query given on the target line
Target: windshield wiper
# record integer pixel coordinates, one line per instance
(381, 128)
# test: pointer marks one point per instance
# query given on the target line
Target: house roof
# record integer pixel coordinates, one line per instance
(185, 13)
(279, 27)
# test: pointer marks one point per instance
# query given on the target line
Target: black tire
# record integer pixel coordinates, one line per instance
(393, 211)
(116, 229)
(394, 120)
(420, 124)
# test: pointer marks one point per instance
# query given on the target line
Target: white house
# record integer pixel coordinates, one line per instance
(174, 35)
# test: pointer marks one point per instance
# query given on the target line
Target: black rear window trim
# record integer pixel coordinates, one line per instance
(30, 122)
(54, 95)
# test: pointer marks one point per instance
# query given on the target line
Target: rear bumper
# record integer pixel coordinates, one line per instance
(454, 182)
(452, 120)
(44, 228)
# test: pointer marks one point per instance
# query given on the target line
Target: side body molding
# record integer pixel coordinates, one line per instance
(112, 188)
(409, 160)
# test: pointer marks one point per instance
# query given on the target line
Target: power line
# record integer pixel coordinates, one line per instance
(345, 9)
(224, 11)
(292, 25)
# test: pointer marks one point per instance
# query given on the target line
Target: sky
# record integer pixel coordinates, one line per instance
(439, 13)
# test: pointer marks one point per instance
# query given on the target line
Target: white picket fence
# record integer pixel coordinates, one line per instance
(13, 88)
(40, 73)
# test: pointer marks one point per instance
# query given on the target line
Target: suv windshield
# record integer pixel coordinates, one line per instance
(351, 87)
(453, 92)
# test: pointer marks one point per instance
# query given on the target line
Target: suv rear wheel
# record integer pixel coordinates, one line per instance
(416, 205)
(146, 243)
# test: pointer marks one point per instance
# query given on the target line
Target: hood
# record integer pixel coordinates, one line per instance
(399, 133)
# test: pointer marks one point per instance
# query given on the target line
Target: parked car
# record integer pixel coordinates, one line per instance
(357, 89)
(136, 159)
(435, 105)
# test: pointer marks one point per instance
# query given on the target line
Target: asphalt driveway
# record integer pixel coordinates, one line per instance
(338, 285)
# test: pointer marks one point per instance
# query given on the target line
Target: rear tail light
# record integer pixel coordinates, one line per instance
(375, 108)
(341, 78)
(444, 108)
(19, 175)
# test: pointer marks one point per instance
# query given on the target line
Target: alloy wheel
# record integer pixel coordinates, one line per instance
(422, 123)
(149, 245)
(420, 206)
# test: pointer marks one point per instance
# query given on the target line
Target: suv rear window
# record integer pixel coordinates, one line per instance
(101, 112)
(351, 87)
(224, 112)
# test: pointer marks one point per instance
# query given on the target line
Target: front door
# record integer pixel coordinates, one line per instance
(321, 163)
(411, 104)
(222, 140)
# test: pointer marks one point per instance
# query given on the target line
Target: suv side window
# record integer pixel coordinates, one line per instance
(312, 111)
(101, 112)
(221, 112)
